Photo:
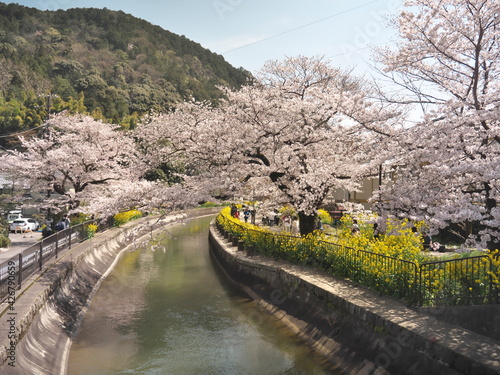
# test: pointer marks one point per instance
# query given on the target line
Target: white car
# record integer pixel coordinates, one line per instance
(24, 224)
(13, 215)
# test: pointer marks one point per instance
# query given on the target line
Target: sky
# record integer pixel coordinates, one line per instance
(250, 32)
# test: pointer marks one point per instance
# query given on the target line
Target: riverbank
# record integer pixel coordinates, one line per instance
(354, 327)
(37, 326)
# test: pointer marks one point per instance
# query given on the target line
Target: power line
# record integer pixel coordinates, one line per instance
(21, 132)
(300, 27)
(356, 50)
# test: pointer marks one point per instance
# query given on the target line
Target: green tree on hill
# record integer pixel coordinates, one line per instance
(100, 62)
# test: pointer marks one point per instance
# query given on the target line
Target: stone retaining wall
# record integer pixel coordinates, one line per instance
(353, 327)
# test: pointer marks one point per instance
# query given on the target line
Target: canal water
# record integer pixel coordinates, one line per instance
(167, 309)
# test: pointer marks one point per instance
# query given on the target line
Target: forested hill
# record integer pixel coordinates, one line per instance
(107, 63)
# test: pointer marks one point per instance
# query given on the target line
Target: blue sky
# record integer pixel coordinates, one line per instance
(250, 32)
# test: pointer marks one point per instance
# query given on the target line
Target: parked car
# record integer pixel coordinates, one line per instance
(24, 224)
(13, 215)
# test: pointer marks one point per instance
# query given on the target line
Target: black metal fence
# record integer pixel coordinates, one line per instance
(14, 271)
(463, 281)
(6, 190)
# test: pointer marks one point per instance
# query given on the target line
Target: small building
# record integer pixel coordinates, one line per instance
(5, 185)
(369, 185)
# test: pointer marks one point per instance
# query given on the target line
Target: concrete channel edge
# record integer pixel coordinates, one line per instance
(51, 304)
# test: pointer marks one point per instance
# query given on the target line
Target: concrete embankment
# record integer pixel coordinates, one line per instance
(355, 328)
(36, 330)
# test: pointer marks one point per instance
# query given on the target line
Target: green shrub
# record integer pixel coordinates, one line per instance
(4, 241)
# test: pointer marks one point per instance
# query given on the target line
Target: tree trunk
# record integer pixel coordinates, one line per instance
(491, 204)
(306, 223)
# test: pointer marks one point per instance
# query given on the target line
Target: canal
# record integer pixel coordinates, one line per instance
(167, 309)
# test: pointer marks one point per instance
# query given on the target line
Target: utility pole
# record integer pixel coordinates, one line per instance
(48, 101)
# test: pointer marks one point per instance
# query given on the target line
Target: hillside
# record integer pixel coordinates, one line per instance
(105, 63)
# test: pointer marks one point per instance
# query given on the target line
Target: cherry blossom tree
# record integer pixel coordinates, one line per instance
(302, 130)
(448, 165)
(75, 160)
(97, 168)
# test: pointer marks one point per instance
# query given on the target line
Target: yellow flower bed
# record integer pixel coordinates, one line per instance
(392, 264)
(325, 217)
(398, 241)
(91, 230)
(124, 217)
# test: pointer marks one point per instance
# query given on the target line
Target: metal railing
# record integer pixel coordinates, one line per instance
(14, 271)
(462, 281)
(6, 190)
(465, 281)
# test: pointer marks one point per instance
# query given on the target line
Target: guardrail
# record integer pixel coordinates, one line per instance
(14, 271)
(463, 281)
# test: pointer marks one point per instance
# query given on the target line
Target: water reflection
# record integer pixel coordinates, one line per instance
(171, 312)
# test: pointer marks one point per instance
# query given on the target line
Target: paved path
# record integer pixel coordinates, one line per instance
(20, 241)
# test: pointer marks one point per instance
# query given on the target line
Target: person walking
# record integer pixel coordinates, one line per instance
(246, 214)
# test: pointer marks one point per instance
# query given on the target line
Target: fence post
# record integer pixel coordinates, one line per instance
(41, 254)
(56, 250)
(57, 243)
(240, 245)
(491, 299)
(355, 269)
(20, 271)
(420, 293)
(414, 291)
(69, 231)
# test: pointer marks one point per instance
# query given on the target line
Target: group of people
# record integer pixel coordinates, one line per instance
(291, 224)
(62, 224)
(272, 218)
(427, 242)
(248, 213)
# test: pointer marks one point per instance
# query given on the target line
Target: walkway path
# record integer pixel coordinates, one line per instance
(20, 241)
